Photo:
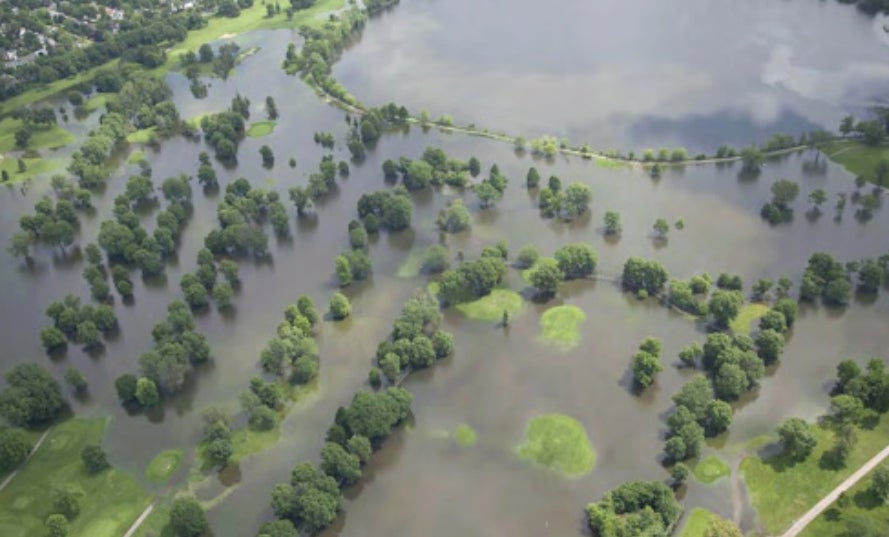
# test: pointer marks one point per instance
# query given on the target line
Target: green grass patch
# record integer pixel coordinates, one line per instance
(109, 501)
(748, 314)
(526, 273)
(142, 136)
(698, 521)
(46, 91)
(781, 492)
(410, 267)
(96, 102)
(711, 469)
(137, 157)
(51, 136)
(492, 306)
(162, 467)
(610, 163)
(465, 435)
(258, 129)
(34, 167)
(561, 325)
(560, 443)
(252, 18)
(858, 502)
(856, 157)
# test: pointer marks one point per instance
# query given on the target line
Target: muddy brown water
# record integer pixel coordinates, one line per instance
(421, 483)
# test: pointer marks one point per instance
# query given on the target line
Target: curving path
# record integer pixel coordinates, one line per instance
(33, 451)
(825, 502)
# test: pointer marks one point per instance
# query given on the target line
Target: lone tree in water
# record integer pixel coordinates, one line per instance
(505, 319)
(661, 227)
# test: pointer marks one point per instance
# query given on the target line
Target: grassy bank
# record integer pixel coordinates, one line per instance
(781, 492)
(34, 167)
(252, 18)
(109, 501)
(52, 136)
(859, 502)
(856, 157)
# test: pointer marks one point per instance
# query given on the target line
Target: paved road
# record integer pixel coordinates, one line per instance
(825, 502)
(139, 521)
(33, 451)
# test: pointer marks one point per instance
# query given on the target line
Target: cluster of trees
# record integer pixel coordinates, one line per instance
(88, 162)
(385, 209)
(416, 342)
(320, 184)
(472, 279)
(454, 218)
(491, 188)
(635, 508)
(206, 174)
(644, 276)
(556, 202)
(145, 101)
(220, 62)
(321, 48)
(241, 214)
(128, 244)
(223, 132)
(686, 295)
(354, 265)
(139, 39)
(367, 129)
(14, 448)
(826, 278)
(312, 498)
(81, 323)
(199, 286)
(647, 363)
(434, 168)
(32, 119)
(310, 501)
(32, 396)
(51, 224)
(293, 351)
(778, 210)
(735, 364)
(164, 369)
(375, 6)
(571, 261)
(324, 139)
(663, 154)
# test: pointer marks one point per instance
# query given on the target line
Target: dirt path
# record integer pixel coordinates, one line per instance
(825, 502)
(33, 451)
(139, 520)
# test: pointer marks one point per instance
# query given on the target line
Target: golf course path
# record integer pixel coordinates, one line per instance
(139, 521)
(33, 451)
(825, 502)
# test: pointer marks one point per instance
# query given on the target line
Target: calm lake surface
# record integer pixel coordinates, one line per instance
(625, 75)
(632, 74)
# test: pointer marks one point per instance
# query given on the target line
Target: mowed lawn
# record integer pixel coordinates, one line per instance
(781, 492)
(856, 157)
(109, 501)
(860, 502)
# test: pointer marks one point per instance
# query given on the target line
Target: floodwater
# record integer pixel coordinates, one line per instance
(626, 75)
(421, 483)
